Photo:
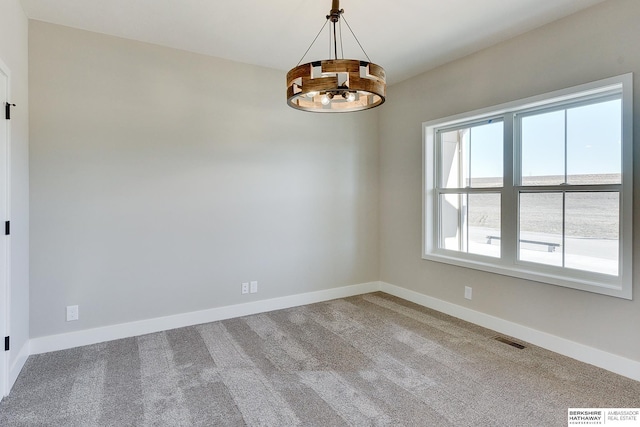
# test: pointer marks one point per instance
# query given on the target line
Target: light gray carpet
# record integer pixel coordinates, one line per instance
(363, 361)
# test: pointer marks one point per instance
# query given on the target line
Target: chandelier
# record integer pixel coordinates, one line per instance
(336, 85)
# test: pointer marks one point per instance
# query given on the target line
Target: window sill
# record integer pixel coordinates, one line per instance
(607, 286)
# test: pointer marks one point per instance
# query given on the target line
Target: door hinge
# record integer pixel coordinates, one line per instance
(6, 343)
(7, 110)
(7, 228)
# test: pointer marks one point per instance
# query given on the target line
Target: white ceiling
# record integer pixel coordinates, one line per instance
(406, 37)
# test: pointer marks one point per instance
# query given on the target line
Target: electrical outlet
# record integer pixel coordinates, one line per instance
(72, 313)
(468, 292)
(254, 287)
(245, 288)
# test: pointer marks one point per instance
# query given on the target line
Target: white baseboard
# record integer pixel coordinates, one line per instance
(611, 362)
(17, 365)
(600, 358)
(125, 330)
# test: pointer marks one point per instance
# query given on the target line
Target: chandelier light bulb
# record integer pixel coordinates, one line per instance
(350, 96)
(326, 98)
(312, 94)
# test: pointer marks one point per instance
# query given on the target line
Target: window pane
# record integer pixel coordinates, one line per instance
(484, 224)
(452, 159)
(543, 149)
(594, 143)
(540, 226)
(472, 156)
(592, 231)
(470, 223)
(452, 221)
(486, 147)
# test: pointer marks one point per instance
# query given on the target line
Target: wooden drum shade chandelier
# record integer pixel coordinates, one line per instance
(336, 85)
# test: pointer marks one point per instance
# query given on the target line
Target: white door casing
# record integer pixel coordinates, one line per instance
(4, 239)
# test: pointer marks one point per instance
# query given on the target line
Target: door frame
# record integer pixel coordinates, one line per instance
(5, 273)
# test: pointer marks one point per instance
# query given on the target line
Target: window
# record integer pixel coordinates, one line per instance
(539, 188)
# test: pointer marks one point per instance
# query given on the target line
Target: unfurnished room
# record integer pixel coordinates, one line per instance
(319, 213)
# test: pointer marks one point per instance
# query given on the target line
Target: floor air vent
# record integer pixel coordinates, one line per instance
(508, 341)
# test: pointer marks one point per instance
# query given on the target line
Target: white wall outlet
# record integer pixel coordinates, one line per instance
(254, 287)
(245, 288)
(468, 292)
(72, 313)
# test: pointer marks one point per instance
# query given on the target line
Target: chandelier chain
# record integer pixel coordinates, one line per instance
(330, 41)
(354, 36)
(314, 40)
(341, 46)
(335, 41)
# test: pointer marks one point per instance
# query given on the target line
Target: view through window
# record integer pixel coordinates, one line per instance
(536, 189)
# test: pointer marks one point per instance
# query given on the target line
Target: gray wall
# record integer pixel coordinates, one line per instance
(14, 53)
(162, 179)
(599, 42)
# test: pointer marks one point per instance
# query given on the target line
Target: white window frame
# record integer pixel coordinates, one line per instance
(617, 286)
